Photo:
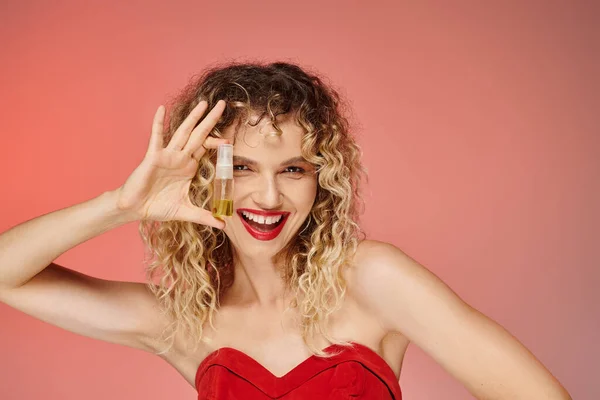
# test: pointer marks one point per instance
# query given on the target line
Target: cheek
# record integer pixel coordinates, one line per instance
(306, 193)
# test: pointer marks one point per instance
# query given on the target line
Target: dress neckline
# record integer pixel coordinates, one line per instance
(250, 369)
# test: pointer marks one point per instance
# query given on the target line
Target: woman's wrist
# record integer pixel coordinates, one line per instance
(121, 215)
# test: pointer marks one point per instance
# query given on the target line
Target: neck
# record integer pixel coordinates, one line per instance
(257, 283)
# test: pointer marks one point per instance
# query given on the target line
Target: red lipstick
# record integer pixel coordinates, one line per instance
(260, 235)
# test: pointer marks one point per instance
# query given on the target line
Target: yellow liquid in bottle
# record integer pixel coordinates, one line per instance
(222, 205)
(222, 208)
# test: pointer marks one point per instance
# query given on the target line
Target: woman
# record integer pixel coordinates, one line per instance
(283, 299)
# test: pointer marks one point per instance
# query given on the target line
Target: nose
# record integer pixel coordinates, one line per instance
(267, 194)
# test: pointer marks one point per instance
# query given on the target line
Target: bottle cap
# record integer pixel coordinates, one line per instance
(225, 155)
(224, 169)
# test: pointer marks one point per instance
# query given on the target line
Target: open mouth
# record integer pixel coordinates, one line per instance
(269, 227)
(264, 227)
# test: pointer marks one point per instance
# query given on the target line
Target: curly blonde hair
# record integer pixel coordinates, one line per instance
(192, 264)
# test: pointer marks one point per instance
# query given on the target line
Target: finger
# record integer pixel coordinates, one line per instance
(209, 143)
(198, 136)
(199, 216)
(156, 137)
(181, 135)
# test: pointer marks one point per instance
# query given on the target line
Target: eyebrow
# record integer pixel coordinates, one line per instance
(240, 159)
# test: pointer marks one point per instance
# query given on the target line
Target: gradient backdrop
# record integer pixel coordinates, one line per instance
(478, 122)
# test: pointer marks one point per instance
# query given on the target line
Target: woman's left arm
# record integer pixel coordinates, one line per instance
(480, 353)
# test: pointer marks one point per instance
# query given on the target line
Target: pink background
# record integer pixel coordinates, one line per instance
(478, 122)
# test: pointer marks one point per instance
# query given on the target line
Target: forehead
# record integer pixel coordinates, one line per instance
(259, 143)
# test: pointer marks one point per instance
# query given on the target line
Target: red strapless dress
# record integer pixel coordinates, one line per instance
(354, 373)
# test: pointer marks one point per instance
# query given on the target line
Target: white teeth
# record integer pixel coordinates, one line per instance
(261, 219)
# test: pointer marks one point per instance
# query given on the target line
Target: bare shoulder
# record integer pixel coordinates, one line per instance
(381, 269)
(365, 276)
(408, 298)
(373, 264)
(368, 268)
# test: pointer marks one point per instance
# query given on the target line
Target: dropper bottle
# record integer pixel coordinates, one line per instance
(222, 205)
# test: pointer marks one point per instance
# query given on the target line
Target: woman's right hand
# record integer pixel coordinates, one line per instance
(158, 189)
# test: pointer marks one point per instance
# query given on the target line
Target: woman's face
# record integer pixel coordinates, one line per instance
(274, 187)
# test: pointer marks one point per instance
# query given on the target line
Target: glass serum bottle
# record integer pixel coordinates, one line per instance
(222, 205)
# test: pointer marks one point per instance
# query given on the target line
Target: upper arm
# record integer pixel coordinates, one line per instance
(118, 312)
(480, 353)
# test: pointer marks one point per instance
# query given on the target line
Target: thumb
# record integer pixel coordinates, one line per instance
(200, 216)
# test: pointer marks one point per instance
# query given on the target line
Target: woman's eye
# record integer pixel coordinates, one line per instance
(291, 170)
(297, 170)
